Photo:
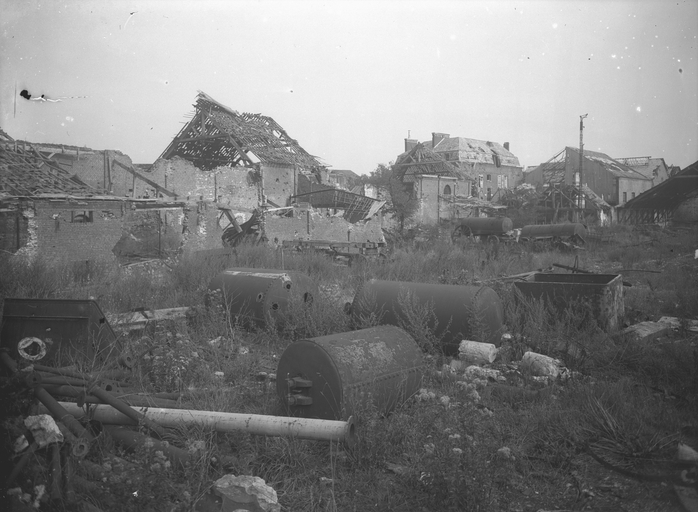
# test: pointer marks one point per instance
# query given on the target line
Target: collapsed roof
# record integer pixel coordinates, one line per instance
(422, 160)
(553, 171)
(26, 172)
(216, 136)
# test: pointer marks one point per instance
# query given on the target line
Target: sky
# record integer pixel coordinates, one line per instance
(350, 80)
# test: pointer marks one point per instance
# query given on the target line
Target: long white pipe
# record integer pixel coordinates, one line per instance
(302, 428)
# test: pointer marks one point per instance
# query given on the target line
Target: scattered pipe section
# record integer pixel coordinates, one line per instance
(302, 428)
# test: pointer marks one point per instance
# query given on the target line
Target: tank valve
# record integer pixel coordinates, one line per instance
(299, 400)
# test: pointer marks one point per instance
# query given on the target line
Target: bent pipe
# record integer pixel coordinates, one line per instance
(258, 424)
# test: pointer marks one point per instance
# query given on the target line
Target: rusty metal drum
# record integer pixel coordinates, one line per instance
(331, 377)
(459, 312)
(258, 297)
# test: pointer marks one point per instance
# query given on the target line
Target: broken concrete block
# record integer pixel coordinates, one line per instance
(245, 492)
(476, 352)
(540, 365)
(675, 323)
(647, 331)
(43, 429)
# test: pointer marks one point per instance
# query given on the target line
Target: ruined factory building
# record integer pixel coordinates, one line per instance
(610, 179)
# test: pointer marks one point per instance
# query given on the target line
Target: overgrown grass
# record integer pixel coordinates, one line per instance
(454, 446)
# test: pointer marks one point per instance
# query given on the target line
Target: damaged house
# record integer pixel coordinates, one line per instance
(47, 211)
(490, 165)
(446, 183)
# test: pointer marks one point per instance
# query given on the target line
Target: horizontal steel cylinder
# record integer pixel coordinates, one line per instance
(261, 297)
(478, 226)
(553, 230)
(333, 376)
(459, 312)
(258, 424)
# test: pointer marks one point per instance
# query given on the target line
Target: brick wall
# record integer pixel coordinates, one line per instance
(79, 230)
(315, 226)
(279, 183)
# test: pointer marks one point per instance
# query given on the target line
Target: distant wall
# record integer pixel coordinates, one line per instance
(311, 225)
(687, 211)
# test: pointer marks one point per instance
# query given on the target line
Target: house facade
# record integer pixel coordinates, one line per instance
(492, 165)
(655, 169)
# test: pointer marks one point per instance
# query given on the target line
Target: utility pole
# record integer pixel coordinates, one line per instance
(581, 163)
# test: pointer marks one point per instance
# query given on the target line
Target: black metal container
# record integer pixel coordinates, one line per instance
(57, 332)
(331, 377)
(459, 312)
(261, 297)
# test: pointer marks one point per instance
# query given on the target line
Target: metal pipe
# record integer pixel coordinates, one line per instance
(137, 441)
(302, 428)
(78, 447)
(139, 400)
(133, 414)
(59, 413)
(56, 475)
(21, 464)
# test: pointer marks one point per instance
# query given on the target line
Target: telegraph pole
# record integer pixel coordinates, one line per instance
(581, 162)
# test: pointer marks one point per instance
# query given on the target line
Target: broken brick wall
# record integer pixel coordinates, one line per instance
(312, 225)
(91, 167)
(78, 230)
(150, 233)
(201, 227)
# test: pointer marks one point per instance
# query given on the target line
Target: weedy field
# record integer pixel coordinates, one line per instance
(603, 438)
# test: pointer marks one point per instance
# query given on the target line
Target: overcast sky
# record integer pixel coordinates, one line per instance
(350, 79)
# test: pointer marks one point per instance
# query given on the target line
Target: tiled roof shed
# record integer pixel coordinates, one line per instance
(658, 203)
(26, 172)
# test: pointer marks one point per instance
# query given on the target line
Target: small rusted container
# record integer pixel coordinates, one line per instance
(459, 312)
(261, 297)
(331, 377)
(602, 293)
(554, 230)
(483, 226)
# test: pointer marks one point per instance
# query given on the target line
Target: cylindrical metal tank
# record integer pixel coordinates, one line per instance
(459, 312)
(331, 377)
(551, 230)
(261, 297)
(479, 226)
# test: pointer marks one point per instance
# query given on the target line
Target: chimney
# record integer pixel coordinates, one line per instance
(410, 143)
(438, 137)
(506, 146)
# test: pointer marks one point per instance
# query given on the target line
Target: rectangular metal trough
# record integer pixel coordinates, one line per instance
(603, 293)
